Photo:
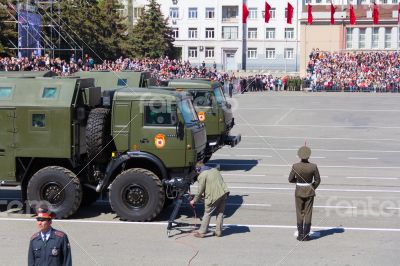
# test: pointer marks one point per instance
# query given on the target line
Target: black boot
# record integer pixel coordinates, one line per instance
(300, 232)
(307, 228)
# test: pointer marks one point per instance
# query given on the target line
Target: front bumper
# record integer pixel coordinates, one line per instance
(232, 140)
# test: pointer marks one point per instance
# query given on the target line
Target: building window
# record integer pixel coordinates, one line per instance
(272, 13)
(289, 53)
(175, 33)
(192, 34)
(193, 12)
(229, 13)
(270, 33)
(349, 38)
(388, 38)
(173, 12)
(252, 33)
(289, 33)
(192, 52)
(395, 1)
(252, 53)
(252, 13)
(209, 52)
(210, 12)
(210, 33)
(137, 12)
(229, 33)
(361, 39)
(375, 38)
(270, 53)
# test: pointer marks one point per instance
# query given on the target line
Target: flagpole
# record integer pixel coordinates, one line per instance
(244, 41)
(297, 34)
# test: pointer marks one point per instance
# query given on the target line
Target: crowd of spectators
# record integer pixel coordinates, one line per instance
(162, 69)
(365, 71)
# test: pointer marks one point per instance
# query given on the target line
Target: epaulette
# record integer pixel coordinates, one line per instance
(35, 235)
(59, 233)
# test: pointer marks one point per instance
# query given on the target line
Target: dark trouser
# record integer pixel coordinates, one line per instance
(304, 208)
(218, 207)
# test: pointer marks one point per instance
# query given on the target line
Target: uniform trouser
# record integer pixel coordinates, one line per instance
(304, 209)
(218, 208)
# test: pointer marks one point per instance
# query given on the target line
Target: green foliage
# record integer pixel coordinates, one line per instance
(8, 28)
(151, 36)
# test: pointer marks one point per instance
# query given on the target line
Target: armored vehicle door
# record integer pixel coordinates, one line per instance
(7, 144)
(159, 134)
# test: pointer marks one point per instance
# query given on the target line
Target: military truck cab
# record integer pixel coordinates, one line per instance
(64, 143)
(213, 109)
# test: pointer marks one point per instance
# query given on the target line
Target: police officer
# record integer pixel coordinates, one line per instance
(307, 179)
(48, 246)
(215, 193)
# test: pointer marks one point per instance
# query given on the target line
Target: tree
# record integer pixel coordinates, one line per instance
(8, 28)
(151, 36)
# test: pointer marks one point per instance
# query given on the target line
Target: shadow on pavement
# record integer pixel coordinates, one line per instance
(232, 165)
(235, 229)
(326, 232)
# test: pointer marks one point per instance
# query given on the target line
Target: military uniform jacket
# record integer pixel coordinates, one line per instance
(212, 185)
(305, 172)
(55, 251)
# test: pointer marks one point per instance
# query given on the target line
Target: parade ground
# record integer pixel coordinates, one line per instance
(354, 138)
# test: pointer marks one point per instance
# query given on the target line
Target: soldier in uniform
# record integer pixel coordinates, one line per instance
(48, 246)
(307, 179)
(215, 193)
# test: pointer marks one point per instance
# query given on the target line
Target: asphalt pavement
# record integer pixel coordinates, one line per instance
(355, 141)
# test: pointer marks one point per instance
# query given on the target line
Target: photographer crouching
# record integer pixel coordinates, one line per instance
(215, 192)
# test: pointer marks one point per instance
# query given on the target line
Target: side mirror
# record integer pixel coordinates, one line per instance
(180, 130)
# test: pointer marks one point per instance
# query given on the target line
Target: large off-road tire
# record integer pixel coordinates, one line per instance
(58, 187)
(137, 195)
(98, 135)
(89, 196)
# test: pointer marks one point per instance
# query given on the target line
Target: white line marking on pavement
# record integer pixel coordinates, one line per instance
(317, 157)
(241, 155)
(336, 207)
(319, 166)
(392, 208)
(284, 116)
(319, 109)
(295, 149)
(316, 126)
(316, 138)
(241, 174)
(225, 225)
(361, 158)
(322, 189)
(372, 177)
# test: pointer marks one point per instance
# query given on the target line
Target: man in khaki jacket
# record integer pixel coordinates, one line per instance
(307, 179)
(215, 193)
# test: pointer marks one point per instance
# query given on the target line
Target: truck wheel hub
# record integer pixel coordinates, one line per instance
(135, 196)
(53, 193)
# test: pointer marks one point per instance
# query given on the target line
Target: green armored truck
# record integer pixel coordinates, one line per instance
(212, 109)
(110, 79)
(64, 142)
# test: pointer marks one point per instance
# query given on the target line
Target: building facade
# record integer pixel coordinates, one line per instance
(344, 37)
(212, 32)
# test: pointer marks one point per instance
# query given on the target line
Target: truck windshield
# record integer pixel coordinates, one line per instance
(219, 95)
(188, 112)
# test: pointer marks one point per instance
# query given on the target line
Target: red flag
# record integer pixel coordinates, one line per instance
(398, 14)
(245, 14)
(309, 18)
(333, 10)
(290, 10)
(267, 15)
(352, 15)
(375, 14)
